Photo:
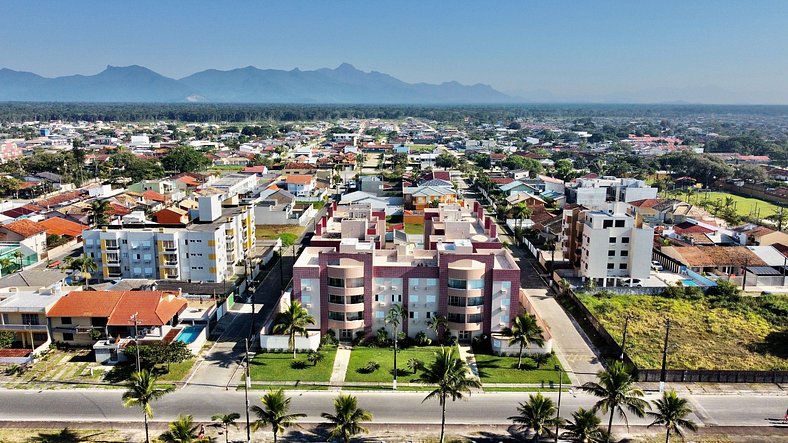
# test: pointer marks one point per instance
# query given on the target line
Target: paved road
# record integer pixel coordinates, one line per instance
(387, 407)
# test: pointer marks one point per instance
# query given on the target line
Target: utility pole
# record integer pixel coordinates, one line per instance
(624, 339)
(558, 407)
(246, 391)
(744, 278)
(663, 373)
(250, 290)
(134, 318)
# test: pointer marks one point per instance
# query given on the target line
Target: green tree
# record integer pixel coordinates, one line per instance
(141, 392)
(537, 414)
(446, 160)
(98, 212)
(437, 324)
(6, 263)
(182, 430)
(618, 394)
(451, 375)
(523, 332)
(9, 185)
(274, 413)
(184, 159)
(315, 357)
(82, 265)
(227, 420)
(394, 317)
(347, 418)
(671, 412)
(751, 173)
(584, 427)
(7, 339)
(778, 217)
(293, 321)
(564, 169)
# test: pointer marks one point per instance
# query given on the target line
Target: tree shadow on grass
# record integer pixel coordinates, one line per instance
(776, 343)
(65, 435)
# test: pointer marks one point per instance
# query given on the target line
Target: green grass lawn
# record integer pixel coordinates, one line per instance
(495, 369)
(745, 207)
(177, 372)
(385, 357)
(702, 336)
(412, 228)
(288, 233)
(267, 366)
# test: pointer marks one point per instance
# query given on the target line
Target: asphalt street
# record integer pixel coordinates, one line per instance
(387, 407)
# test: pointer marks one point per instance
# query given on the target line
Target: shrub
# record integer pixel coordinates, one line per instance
(422, 339)
(369, 368)
(298, 364)
(315, 357)
(329, 339)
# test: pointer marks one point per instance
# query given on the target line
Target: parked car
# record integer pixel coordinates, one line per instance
(657, 266)
(631, 283)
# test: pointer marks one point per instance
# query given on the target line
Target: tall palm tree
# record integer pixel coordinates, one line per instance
(537, 414)
(617, 392)
(83, 265)
(395, 317)
(584, 427)
(524, 331)
(671, 413)
(438, 323)
(141, 392)
(227, 420)
(451, 375)
(182, 430)
(274, 413)
(18, 256)
(99, 212)
(293, 321)
(346, 422)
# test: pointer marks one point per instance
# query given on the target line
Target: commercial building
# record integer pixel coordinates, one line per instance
(203, 250)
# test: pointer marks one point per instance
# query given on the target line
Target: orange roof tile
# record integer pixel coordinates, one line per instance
(86, 304)
(61, 226)
(26, 228)
(155, 196)
(299, 179)
(153, 308)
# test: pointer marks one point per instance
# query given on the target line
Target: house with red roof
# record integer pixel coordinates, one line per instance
(31, 236)
(300, 185)
(62, 227)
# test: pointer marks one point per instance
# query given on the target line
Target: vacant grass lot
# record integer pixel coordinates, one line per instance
(701, 336)
(288, 233)
(267, 366)
(412, 228)
(385, 357)
(495, 369)
(745, 207)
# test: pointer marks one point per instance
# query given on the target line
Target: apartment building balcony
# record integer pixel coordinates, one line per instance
(22, 327)
(345, 324)
(472, 327)
(464, 310)
(171, 275)
(464, 292)
(113, 259)
(111, 245)
(350, 307)
(169, 246)
(335, 290)
(114, 272)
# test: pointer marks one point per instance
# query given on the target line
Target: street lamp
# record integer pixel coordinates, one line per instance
(247, 381)
(135, 320)
(558, 408)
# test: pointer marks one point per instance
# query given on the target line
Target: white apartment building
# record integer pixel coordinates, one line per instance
(204, 250)
(615, 247)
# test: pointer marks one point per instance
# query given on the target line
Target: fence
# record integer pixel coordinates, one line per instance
(671, 375)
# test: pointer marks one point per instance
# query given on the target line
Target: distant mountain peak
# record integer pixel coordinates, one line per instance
(346, 67)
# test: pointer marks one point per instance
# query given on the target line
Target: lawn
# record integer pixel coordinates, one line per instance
(412, 228)
(12, 435)
(420, 148)
(745, 207)
(495, 369)
(269, 366)
(317, 205)
(362, 355)
(702, 335)
(176, 372)
(288, 233)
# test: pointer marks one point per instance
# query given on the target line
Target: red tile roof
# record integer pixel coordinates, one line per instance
(118, 210)
(60, 199)
(646, 203)
(259, 169)
(26, 228)
(23, 210)
(189, 181)
(688, 228)
(153, 308)
(61, 226)
(154, 196)
(8, 352)
(299, 179)
(299, 166)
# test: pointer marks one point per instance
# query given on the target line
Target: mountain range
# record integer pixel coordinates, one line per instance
(344, 84)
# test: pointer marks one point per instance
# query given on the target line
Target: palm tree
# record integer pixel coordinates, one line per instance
(18, 256)
(99, 212)
(617, 391)
(584, 427)
(451, 374)
(275, 413)
(84, 265)
(347, 421)
(438, 323)
(537, 414)
(293, 321)
(395, 317)
(142, 391)
(182, 430)
(5, 264)
(524, 331)
(226, 420)
(671, 413)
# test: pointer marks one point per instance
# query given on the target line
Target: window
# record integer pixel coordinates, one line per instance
(475, 301)
(306, 299)
(380, 314)
(39, 336)
(611, 253)
(337, 299)
(353, 316)
(411, 314)
(30, 319)
(625, 253)
(612, 240)
(456, 301)
(354, 282)
(622, 266)
(624, 239)
(336, 282)
(607, 224)
(455, 318)
(336, 315)
(414, 298)
(610, 266)
(429, 314)
(65, 320)
(619, 223)
(396, 298)
(505, 301)
(475, 318)
(430, 299)
(457, 284)
(67, 336)
(466, 284)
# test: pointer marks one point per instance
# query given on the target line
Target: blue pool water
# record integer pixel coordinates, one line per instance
(189, 334)
(689, 283)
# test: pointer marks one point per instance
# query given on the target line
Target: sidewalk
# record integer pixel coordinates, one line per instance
(341, 362)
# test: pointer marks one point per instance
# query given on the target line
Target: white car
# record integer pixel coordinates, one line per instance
(657, 266)
(631, 283)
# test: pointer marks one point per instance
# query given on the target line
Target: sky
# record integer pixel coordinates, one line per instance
(712, 51)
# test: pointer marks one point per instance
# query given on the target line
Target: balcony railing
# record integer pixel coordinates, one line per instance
(18, 327)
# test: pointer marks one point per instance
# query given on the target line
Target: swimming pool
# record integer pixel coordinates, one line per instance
(189, 333)
(689, 283)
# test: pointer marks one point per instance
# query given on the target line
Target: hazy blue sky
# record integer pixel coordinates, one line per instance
(710, 51)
